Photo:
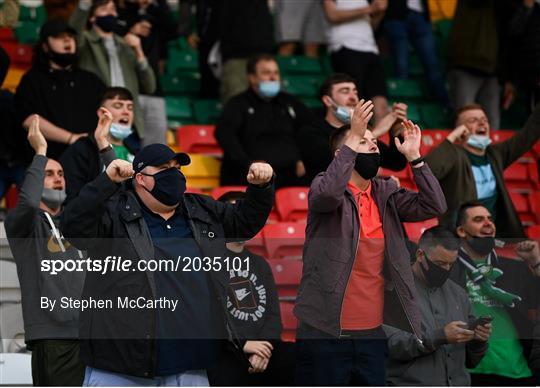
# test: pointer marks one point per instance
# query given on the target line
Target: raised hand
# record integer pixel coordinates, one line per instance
(259, 173)
(459, 135)
(103, 127)
(362, 113)
(119, 170)
(529, 251)
(36, 138)
(410, 147)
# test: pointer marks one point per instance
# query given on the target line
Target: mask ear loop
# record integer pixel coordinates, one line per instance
(55, 232)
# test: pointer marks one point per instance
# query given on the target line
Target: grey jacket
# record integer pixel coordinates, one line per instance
(332, 233)
(31, 240)
(434, 362)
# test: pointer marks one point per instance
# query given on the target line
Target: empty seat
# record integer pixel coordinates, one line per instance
(534, 232)
(297, 64)
(415, 229)
(284, 240)
(182, 60)
(522, 177)
(207, 111)
(27, 32)
(13, 78)
(178, 111)
(12, 197)
(19, 54)
(198, 139)
(288, 321)
(403, 88)
(36, 14)
(431, 139)
(521, 203)
(292, 203)
(301, 85)
(219, 191)
(6, 35)
(435, 116)
(203, 172)
(180, 85)
(287, 274)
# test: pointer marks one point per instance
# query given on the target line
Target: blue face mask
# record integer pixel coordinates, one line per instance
(480, 142)
(119, 131)
(342, 113)
(269, 89)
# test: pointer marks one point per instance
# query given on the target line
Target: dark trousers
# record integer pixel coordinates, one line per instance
(329, 361)
(481, 380)
(57, 363)
(231, 371)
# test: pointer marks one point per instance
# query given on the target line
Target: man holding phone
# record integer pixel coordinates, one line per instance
(453, 338)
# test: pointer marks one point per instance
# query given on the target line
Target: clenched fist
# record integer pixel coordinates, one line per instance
(119, 170)
(259, 173)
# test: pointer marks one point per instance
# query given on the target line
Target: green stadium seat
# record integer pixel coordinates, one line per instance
(183, 84)
(34, 14)
(326, 64)
(297, 64)
(435, 116)
(207, 111)
(302, 85)
(178, 110)
(185, 60)
(27, 32)
(312, 102)
(403, 88)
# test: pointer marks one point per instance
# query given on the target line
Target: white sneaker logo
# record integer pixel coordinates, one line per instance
(241, 294)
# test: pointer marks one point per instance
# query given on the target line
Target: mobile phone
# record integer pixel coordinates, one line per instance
(481, 321)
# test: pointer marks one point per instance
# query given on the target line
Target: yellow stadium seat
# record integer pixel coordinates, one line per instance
(13, 78)
(442, 9)
(203, 172)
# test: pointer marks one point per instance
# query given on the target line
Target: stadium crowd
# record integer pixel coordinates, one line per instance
(90, 172)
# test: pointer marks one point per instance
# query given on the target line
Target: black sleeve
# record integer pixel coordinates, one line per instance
(391, 158)
(76, 163)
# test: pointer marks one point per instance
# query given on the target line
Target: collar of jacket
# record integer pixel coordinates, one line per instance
(94, 37)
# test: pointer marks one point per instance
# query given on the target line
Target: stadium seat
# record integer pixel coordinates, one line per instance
(178, 111)
(6, 35)
(180, 85)
(219, 191)
(435, 116)
(534, 205)
(203, 172)
(297, 64)
(207, 111)
(194, 190)
(292, 203)
(431, 139)
(35, 14)
(503, 135)
(522, 177)
(415, 229)
(19, 54)
(257, 246)
(284, 240)
(12, 197)
(182, 60)
(287, 275)
(522, 205)
(198, 139)
(288, 321)
(312, 103)
(534, 232)
(13, 78)
(403, 88)
(302, 85)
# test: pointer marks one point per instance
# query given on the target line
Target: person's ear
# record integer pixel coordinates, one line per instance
(420, 255)
(326, 101)
(253, 80)
(139, 178)
(336, 152)
(460, 231)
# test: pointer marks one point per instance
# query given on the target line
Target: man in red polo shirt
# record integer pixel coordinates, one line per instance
(357, 272)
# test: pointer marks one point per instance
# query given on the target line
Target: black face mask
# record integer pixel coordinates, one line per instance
(435, 276)
(481, 245)
(62, 59)
(107, 23)
(169, 186)
(367, 165)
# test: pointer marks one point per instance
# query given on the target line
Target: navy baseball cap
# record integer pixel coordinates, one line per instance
(157, 154)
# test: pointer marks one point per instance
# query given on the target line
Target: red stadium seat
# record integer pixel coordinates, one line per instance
(289, 321)
(503, 135)
(522, 205)
(12, 196)
(432, 138)
(534, 232)
(194, 190)
(287, 274)
(6, 35)
(522, 177)
(403, 175)
(292, 203)
(19, 54)
(284, 240)
(198, 139)
(415, 229)
(219, 191)
(256, 245)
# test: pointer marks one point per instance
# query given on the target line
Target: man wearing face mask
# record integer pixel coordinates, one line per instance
(505, 289)
(339, 95)
(470, 168)
(143, 205)
(355, 249)
(64, 95)
(113, 138)
(452, 342)
(34, 236)
(115, 60)
(262, 124)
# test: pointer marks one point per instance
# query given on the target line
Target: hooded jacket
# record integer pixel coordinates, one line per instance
(332, 233)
